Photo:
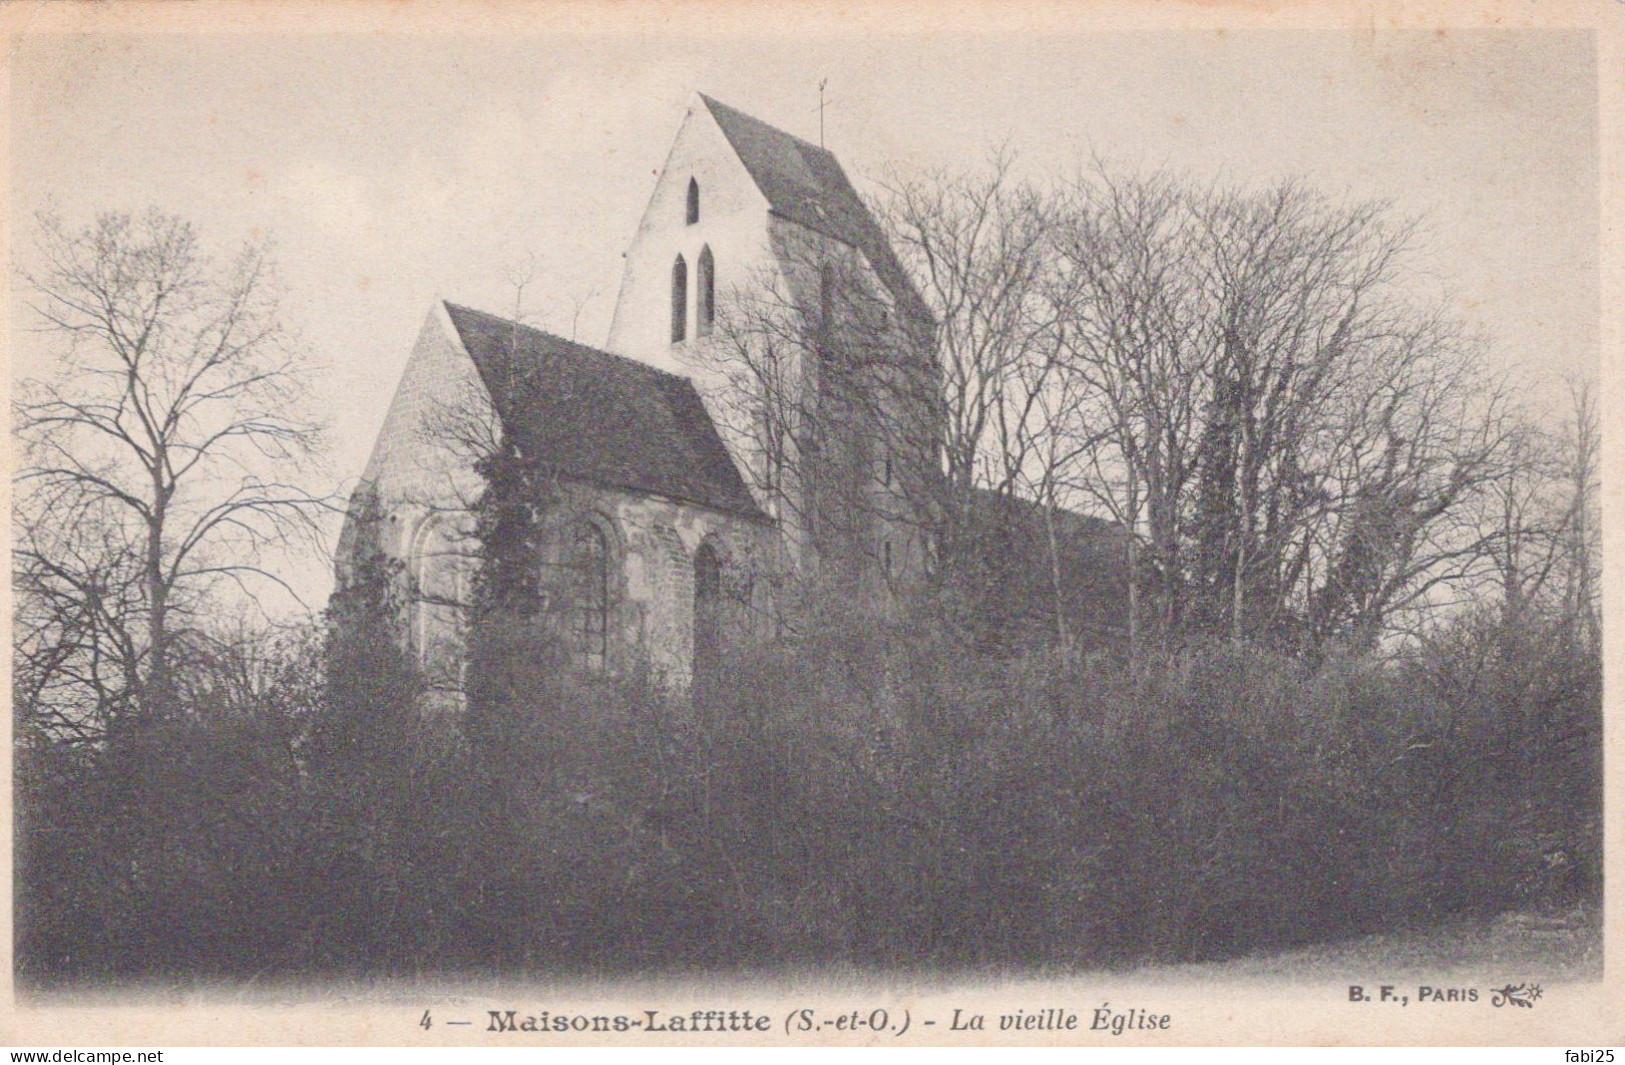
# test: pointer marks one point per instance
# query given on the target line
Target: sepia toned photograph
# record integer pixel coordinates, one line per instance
(539, 524)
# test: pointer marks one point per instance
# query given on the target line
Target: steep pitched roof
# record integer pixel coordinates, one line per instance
(805, 184)
(601, 418)
(1009, 536)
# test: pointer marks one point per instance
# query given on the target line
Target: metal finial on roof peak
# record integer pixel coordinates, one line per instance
(821, 103)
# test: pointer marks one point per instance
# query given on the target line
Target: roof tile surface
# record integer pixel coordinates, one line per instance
(602, 418)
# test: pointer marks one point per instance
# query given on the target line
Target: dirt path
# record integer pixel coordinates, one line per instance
(1550, 948)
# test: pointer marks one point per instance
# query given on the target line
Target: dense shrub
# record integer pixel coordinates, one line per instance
(867, 792)
(180, 850)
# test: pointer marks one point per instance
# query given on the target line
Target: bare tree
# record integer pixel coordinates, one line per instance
(1128, 338)
(171, 432)
(1291, 435)
(982, 249)
(822, 381)
(75, 629)
(1582, 525)
(1540, 521)
(1244, 383)
(869, 419)
(760, 380)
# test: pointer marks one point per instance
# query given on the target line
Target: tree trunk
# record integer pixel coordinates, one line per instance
(156, 691)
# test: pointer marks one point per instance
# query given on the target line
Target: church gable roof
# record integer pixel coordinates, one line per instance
(805, 184)
(601, 418)
(1019, 543)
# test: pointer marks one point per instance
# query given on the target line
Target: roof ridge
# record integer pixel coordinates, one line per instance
(638, 363)
(809, 187)
(1016, 496)
(713, 102)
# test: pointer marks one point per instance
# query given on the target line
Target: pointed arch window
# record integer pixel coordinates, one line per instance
(437, 624)
(693, 212)
(707, 613)
(826, 304)
(705, 310)
(679, 301)
(589, 566)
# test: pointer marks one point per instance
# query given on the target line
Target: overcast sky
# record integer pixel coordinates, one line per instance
(394, 170)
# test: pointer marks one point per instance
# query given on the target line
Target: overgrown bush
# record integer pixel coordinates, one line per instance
(867, 792)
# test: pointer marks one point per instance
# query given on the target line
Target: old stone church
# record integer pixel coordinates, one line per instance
(682, 509)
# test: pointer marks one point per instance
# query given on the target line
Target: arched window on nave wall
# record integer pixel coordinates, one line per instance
(707, 614)
(588, 567)
(438, 570)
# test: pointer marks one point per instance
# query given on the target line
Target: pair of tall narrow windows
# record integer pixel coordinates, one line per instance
(705, 298)
(705, 313)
